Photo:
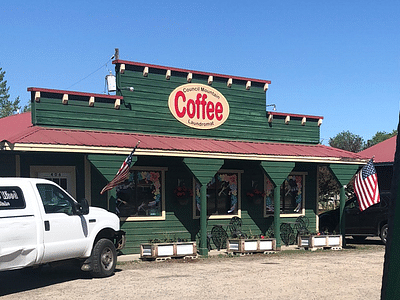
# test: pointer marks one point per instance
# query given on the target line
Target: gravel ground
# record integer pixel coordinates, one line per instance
(351, 273)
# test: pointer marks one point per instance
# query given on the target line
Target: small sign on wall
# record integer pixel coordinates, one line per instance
(198, 106)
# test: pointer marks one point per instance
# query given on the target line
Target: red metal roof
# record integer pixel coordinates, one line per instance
(383, 152)
(14, 125)
(18, 129)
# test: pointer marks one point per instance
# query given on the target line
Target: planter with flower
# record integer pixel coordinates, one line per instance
(318, 240)
(251, 245)
(168, 248)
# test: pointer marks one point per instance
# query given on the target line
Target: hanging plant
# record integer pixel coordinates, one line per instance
(183, 194)
(256, 195)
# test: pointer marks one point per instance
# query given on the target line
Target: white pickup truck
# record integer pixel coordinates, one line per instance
(41, 223)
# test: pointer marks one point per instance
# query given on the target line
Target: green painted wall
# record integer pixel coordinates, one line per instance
(179, 221)
(343, 173)
(247, 119)
(103, 169)
(145, 110)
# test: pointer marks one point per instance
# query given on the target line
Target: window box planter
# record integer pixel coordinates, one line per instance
(251, 245)
(320, 241)
(178, 249)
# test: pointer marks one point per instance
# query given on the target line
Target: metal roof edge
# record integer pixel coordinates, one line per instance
(180, 153)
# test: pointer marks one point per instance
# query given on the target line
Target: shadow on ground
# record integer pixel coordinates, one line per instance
(374, 242)
(29, 279)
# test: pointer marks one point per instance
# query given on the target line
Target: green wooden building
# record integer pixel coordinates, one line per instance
(209, 150)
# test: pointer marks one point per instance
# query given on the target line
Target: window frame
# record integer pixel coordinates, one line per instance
(302, 211)
(163, 213)
(239, 196)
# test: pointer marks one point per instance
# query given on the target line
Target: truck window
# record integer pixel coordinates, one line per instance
(11, 197)
(54, 199)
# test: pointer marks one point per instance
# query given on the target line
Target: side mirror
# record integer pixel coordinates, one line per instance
(82, 207)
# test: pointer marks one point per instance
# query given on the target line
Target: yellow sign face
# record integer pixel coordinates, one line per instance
(198, 106)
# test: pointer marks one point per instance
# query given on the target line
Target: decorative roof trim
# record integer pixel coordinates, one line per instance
(41, 90)
(293, 115)
(274, 113)
(132, 63)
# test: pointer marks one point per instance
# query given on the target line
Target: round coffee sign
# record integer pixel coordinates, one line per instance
(198, 106)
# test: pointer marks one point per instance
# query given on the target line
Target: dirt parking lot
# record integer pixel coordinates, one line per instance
(351, 273)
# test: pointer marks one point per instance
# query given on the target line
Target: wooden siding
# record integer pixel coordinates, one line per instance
(104, 168)
(277, 171)
(204, 169)
(145, 110)
(179, 222)
(343, 173)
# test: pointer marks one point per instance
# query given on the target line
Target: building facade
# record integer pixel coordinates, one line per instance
(208, 150)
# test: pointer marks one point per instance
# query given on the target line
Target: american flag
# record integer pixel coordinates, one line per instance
(366, 186)
(122, 173)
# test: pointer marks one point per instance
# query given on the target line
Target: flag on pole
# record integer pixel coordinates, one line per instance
(366, 186)
(122, 173)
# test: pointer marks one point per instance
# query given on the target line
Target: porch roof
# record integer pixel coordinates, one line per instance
(17, 133)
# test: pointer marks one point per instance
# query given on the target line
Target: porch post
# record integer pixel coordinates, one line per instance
(203, 169)
(203, 220)
(277, 215)
(343, 174)
(342, 217)
(277, 171)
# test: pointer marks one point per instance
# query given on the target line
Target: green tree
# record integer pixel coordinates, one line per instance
(7, 107)
(346, 140)
(380, 136)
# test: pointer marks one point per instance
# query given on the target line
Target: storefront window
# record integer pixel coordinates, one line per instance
(222, 195)
(269, 195)
(140, 195)
(292, 195)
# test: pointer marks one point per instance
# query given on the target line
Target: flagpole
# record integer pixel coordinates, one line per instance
(134, 148)
(122, 173)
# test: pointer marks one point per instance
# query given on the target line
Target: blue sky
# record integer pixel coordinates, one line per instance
(336, 59)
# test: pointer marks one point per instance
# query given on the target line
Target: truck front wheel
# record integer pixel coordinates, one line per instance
(104, 258)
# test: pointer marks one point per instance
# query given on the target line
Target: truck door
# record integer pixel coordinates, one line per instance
(361, 222)
(65, 233)
(18, 229)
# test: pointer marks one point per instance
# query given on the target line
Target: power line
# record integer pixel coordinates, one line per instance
(91, 73)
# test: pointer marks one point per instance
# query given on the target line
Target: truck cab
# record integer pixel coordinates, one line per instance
(41, 223)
